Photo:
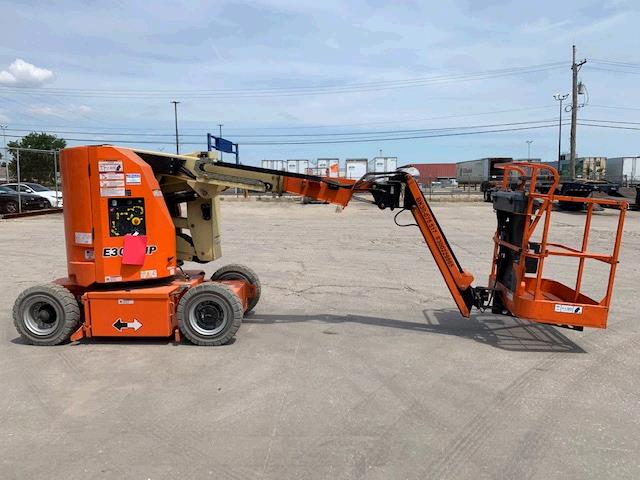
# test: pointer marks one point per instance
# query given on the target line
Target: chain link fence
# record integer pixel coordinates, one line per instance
(439, 188)
(33, 175)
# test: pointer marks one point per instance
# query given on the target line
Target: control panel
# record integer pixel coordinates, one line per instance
(127, 216)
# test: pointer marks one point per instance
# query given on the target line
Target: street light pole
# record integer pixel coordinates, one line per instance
(175, 115)
(561, 98)
(529, 142)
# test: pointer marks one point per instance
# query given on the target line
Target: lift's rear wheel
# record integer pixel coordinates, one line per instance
(209, 314)
(46, 314)
(240, 272)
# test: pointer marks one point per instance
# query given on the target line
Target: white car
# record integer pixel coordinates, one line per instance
(54, 197)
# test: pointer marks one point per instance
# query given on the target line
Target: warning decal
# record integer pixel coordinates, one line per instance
(110, 166)
(112, 192)
(133, 179)
(112, 183)
(112, 176)
(148, 274)
(83, 238)
(575, 309)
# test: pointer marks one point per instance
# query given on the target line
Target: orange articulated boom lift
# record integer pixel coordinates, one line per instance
(133, 217)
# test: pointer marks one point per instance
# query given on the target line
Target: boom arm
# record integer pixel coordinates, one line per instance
(518, 286)
(207, 177)
(457, 279)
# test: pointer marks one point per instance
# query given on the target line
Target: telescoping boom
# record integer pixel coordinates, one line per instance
(133, 217)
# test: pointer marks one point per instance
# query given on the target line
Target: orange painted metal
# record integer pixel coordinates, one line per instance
(93, 177)
(544, 300)
(143, 311)
(456, 279)
(243, 290)
(148, 311)
(332, 190)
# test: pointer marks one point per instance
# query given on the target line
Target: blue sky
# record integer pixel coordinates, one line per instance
(145, 55)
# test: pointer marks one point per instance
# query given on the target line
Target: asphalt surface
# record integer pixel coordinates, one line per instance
(355, 364)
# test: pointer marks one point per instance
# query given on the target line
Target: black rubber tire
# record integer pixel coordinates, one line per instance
(51, 298)
(11, 207)
(218, 297)
(236, 271)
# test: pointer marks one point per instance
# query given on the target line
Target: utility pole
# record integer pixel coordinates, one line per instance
(575, 67)
(220, 125)
(529, 142)
(175, 115)
(561, 98)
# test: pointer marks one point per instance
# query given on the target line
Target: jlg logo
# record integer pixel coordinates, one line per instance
(117, 252)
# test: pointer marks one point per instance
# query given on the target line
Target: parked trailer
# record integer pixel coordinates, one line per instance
(383, 164)
(587, 168)
(478, 171)
(329, 165)
(623, 171)
(356, 167)
(275, 165)
(297, 166)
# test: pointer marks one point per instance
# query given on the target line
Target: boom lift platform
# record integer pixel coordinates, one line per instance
(132, 217)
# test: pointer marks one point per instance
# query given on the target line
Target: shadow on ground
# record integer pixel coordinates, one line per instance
(506, 333)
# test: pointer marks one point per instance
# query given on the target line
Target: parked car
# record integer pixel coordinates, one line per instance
(54, 197)
(9, 201)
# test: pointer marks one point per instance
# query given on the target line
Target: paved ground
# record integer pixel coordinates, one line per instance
(355, 365)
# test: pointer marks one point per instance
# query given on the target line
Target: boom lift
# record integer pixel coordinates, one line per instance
(132, 217)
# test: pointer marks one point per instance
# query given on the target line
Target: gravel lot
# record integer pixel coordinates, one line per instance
(355, 364)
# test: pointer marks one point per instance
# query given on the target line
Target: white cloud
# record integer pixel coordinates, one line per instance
(61, 112)
(23, 74)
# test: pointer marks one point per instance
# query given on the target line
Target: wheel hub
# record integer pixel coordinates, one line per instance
(41, 317)
(209, 315)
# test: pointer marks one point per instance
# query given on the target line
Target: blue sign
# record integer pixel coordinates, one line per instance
(223, 145)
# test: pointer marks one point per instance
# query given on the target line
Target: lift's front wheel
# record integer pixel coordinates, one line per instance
(46, 314)
(209, 314)
(241, 272)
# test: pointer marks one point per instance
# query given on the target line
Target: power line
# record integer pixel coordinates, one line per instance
(602, 69)
(365, 140)
(614, 107)
(292, 127)
(609, 121)
(615, 62)
(287, 135)
(449, 134)
(609, 126)
(290, 91)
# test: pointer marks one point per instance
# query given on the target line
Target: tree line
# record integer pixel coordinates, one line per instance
(34, 166)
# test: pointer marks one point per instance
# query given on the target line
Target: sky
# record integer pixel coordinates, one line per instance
(288, 71)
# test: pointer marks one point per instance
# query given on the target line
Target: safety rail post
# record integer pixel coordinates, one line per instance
(583, 250)
(615, 254)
